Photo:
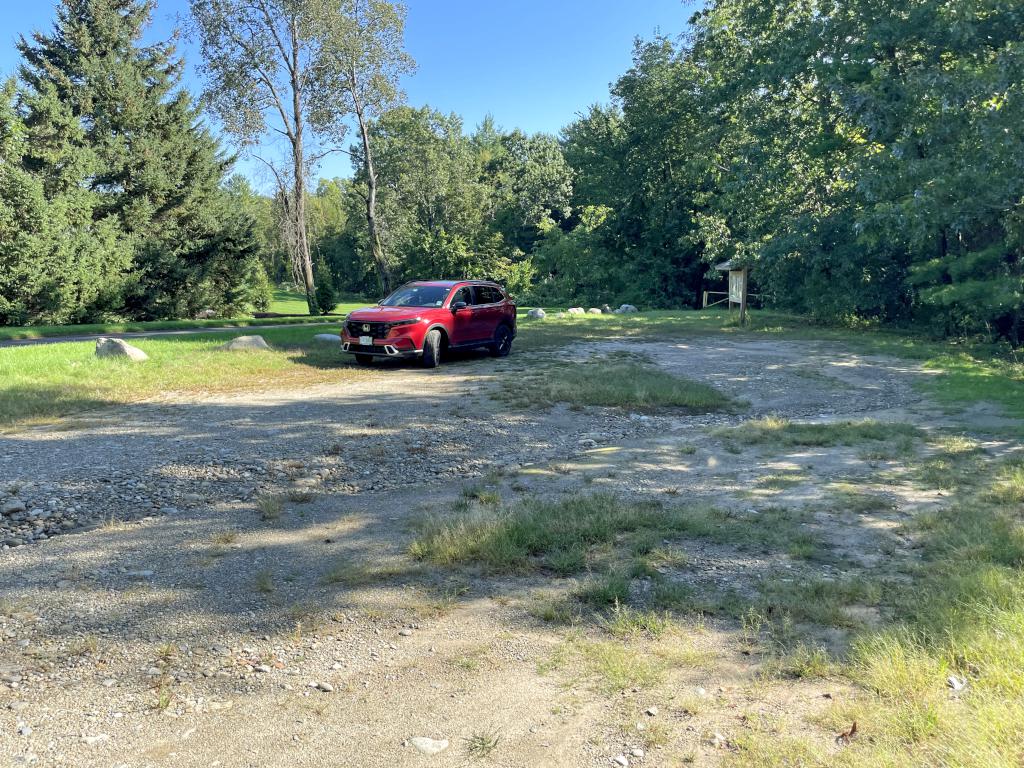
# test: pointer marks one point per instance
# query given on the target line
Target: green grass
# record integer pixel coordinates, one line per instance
(615, 381)
(612, 665)
(566, 535)
(284, 303)
(962, 615)
(52, 380)
(775, 432)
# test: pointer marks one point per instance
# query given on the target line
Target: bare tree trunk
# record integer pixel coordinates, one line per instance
(376, 249)
(299, 160)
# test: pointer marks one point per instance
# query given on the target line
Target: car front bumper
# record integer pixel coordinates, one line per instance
(378, 350)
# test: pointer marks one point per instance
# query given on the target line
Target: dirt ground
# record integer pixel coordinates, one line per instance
(169, 618)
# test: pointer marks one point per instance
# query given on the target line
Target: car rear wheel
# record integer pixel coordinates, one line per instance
(432, 349)
(502, 343)
(364, 359)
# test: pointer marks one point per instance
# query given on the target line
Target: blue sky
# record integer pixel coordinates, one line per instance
(533, 64)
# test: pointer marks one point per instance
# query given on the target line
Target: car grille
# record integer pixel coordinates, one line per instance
(376, 330)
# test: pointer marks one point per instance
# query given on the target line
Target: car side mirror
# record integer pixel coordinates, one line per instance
(459, 305)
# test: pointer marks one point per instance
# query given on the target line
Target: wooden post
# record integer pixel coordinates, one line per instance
(743, 298)
(705, 300)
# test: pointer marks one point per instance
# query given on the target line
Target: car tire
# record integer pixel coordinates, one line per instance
(364, 359)
(502, 344)
(432, 349)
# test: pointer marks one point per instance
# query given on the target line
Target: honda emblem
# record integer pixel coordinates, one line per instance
(366, 327)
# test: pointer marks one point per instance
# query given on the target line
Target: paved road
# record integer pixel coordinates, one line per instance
(143, 334)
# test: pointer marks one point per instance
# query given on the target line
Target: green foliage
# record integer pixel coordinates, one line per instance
(111, 202)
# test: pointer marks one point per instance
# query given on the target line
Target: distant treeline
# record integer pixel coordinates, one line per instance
(865, 159)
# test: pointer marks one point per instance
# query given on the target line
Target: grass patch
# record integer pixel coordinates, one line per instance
(361, 574)
(53, 380)
(479, 745)
(612, 382)
(626, 622)
(850, 498)
(269, 507)
(612, 665)
(780, 482)
(942, 682)
(264, 582)
(560, 536)
(782, 433)
(604, 590)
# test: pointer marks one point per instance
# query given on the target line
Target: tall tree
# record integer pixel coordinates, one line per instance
(268, 65)
(58, 264)
(105, 114)
(369, 54)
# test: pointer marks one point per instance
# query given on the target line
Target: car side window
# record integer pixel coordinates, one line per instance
(463, 294)
(485, 294)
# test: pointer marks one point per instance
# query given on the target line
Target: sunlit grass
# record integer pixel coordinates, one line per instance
(775, 432)
(611, 382)
(54, 380)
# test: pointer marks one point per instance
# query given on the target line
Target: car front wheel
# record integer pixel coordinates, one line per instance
(432, 349)
(502, 344)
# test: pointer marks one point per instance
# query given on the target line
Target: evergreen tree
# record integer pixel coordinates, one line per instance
(60, 261)
(106, 114)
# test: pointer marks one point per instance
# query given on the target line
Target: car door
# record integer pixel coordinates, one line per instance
(488, 311)
(463, 321)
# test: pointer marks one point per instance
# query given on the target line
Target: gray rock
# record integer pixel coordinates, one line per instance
(537, 314)
(576, 311)
(621, 760)
(245, 344)
(594, 311)
(119, 348)
(405, 632)
(626, 309)
(606, 309)
(206, 314)
(325, 687)
(12, 506)
(327, 338)
(429, 746)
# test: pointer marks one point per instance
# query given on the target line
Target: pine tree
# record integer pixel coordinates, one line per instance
(59, 262)
(106, 114)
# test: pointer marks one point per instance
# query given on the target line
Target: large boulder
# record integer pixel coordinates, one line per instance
(119, 348)
(206, 314)
(246, 344)
(593, 311)
(576, 311)
(536, 314)
(327, 338)
(606, 309)
(625, 309)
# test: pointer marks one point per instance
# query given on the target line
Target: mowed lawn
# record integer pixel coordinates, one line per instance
(50, 380)
(285, 303)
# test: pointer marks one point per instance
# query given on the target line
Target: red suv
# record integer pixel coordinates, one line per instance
(423, 319)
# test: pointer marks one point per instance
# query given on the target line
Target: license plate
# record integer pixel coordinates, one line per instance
(366, 341)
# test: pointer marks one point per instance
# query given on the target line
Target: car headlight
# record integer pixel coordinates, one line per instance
(407, 322)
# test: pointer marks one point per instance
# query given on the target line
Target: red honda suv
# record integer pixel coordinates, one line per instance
(423, 319)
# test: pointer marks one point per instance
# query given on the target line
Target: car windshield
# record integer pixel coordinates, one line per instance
(417, 296)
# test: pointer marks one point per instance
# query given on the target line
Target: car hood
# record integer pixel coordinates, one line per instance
(385, 314)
